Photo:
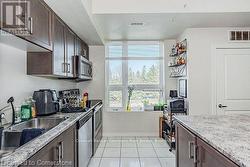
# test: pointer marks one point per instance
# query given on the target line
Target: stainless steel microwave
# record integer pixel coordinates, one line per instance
(82, 68)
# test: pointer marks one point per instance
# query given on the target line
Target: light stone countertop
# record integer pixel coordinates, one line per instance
(21, 154)
(229, 134)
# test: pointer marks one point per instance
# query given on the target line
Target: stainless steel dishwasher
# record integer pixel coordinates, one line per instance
(85, 140)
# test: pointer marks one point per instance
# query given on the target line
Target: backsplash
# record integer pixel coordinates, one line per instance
(14, 81)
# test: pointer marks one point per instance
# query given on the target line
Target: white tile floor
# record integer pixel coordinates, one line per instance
(133, 152)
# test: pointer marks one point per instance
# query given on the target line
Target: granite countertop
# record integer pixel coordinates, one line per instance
(229, 134)
(21, 154)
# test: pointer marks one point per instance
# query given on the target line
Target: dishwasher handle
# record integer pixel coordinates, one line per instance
(83, 120)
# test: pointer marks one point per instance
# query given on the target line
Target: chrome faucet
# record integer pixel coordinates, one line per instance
(11, 100)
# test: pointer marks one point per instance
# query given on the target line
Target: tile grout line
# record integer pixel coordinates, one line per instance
(158, 158)
(138, 153)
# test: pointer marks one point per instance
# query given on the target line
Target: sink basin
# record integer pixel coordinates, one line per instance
(45, 123)
(12, 135)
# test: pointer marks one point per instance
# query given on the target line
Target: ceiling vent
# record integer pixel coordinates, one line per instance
(137, 24)
(239, 35)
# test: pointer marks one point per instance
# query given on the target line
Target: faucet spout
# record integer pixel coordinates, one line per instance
(11, 100)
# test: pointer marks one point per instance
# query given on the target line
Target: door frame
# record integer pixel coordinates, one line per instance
(243, 45)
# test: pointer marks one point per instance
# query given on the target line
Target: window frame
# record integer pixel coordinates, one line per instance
(124, 85)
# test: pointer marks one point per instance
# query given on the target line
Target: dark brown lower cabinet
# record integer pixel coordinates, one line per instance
(191, 151)
(185, 148)
(59, 152)
(209, 157)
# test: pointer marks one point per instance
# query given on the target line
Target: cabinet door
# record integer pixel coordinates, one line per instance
(59, 64)
(70, 51)
(209, 157)
(40, 25)
(78, 46)
(185, 147)
(48, 154)
(67, 140)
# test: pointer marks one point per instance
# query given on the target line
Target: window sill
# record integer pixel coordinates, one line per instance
(134, 111)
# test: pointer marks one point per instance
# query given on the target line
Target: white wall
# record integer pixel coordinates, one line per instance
(14, 81)
(123, 123)
(96, 87)
(201, 42)
(169, 6)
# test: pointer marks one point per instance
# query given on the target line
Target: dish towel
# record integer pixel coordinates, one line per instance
(29, 134)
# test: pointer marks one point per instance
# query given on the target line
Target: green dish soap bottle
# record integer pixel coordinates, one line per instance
(26, 112)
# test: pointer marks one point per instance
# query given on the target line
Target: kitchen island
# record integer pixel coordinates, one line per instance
(31, 149)
(227, 139)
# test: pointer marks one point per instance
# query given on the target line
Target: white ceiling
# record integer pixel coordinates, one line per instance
(163, 26)
(96, 28)
(75, 15)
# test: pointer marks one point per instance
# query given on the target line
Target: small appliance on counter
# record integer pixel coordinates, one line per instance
(46, 102)
(71, 101)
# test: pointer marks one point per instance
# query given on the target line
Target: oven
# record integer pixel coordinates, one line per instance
(97, 126)
(82, 68)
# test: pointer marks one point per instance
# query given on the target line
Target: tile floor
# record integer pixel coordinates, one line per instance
(133, 152)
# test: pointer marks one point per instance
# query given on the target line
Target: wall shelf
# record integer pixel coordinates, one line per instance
(178, 60)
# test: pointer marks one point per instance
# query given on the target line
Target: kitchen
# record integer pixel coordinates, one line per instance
(100, 34)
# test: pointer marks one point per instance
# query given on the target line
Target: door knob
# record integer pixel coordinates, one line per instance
(221, 106)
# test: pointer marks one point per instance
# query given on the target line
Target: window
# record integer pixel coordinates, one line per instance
(135, 65)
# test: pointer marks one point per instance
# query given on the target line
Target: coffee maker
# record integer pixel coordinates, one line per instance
(46, 102)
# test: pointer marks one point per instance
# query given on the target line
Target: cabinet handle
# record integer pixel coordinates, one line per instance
(59, 149)
(31, 25)
(195, 154)
(190, 144)
(60, 152)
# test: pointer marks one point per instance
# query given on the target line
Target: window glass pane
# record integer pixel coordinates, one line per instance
(144, 71)
(141, 100)
(115, 51)
(115, 72)
(115, 98)
(143, 50)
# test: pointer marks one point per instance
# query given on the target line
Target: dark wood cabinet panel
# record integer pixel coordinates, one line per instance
(209, 157)
(186, 143)
(85, 47)
(59, 152)
(78, 46)
(40, 22)
(81, 48)
(59, 65)
(191, 151)
(70, 51)
(69, 147)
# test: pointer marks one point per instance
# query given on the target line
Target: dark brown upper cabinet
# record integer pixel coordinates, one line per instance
(34, 24)
(70, 51)
(40, 22)
(81, 48)
(58, 63)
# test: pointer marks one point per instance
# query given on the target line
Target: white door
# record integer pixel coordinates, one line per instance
(233, 81)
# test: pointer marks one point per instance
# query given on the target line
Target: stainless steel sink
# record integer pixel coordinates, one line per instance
(45, 123)
(12, 135)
